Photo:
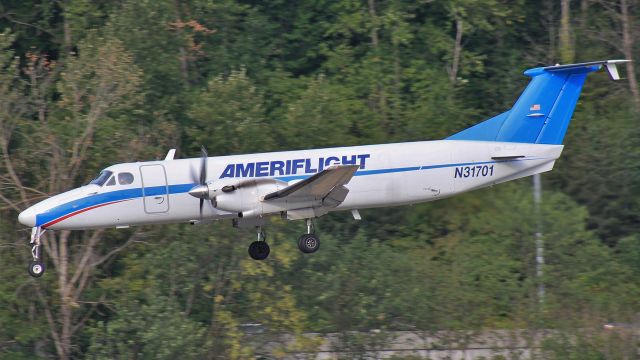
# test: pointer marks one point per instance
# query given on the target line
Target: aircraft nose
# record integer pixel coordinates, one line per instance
(28, 217)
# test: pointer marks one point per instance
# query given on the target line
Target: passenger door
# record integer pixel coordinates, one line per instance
(154, 189)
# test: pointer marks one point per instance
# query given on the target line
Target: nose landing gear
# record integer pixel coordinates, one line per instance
(36, 267)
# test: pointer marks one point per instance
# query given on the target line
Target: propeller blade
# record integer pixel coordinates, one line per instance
(194, 175)
(203, 176)
(203, 166)
(201, 190)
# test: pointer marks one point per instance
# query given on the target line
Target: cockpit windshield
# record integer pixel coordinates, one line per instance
(102, 178)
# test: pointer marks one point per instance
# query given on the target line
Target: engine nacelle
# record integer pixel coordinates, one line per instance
(245, 198)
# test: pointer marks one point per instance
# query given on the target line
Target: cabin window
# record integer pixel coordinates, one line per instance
(125, 178)
(102, 178)
(111, 181)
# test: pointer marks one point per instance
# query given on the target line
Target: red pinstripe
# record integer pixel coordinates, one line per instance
(53, 222)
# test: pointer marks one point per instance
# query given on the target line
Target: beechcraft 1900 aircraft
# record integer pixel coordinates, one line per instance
(306, 184)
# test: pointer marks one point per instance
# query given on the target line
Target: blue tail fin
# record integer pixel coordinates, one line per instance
(543, 112)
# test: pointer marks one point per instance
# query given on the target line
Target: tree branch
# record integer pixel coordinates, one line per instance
(86, 316)
(11, 170)
(82, 265)
(10, 203)
(131, 240)
(51, 248)
(50, 321)
(10, 19)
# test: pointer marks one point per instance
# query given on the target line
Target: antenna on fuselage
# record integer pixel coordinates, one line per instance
(170, 155)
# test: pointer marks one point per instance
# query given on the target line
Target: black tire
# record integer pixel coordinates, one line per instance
(36, 269)
(259, 250)
(309, 243)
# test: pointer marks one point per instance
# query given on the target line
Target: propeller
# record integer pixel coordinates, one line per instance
(201, 190)
(203, 165)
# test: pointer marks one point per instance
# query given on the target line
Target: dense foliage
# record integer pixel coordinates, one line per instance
(89, 83)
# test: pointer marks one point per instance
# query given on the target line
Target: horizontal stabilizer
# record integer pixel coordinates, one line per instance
(610, 65)
(513, 157)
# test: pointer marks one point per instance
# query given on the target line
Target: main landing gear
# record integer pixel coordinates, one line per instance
(310, 242)
(259, 249)
(307, 243)
(36, 267)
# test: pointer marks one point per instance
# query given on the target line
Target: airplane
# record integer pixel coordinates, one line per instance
(306, 184)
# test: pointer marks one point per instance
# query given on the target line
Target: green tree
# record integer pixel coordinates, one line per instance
(158, 330)
(228, 116)
(327, 115)
(86, 83)
(66, 105)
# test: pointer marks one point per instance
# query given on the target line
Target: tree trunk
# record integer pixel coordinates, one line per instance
(380, 94)
(66, 36)
(584, 12)
(567, 51)
(63, 291)
(183, 56)
(374, 19)
(457, 51)
(397, 83)
(550, 23)
(627, 47)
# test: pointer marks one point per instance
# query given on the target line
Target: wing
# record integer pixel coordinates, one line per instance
(326, 185)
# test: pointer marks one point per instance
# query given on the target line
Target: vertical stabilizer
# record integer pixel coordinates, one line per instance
(542, 113)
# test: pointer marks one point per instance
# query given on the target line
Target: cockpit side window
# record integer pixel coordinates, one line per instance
(111, 181)
(102, 178)
(125, 178)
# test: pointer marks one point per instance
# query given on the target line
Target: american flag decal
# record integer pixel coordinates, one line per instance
(535, 107)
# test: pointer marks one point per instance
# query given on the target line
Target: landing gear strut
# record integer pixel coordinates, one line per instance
(36, 267)
(259, 249)
(309, 243)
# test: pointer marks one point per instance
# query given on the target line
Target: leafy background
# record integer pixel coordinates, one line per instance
(88, 83)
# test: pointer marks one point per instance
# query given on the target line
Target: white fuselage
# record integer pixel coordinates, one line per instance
(389, 175)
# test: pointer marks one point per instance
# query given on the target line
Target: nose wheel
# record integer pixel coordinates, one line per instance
(310, 242)
(259, 249)
(36, 267)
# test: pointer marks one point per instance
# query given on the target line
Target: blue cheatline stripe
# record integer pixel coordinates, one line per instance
(82, 203)
(410, 168)
(358, 173)
(386, 171)
(428, 167)
(112, 196)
